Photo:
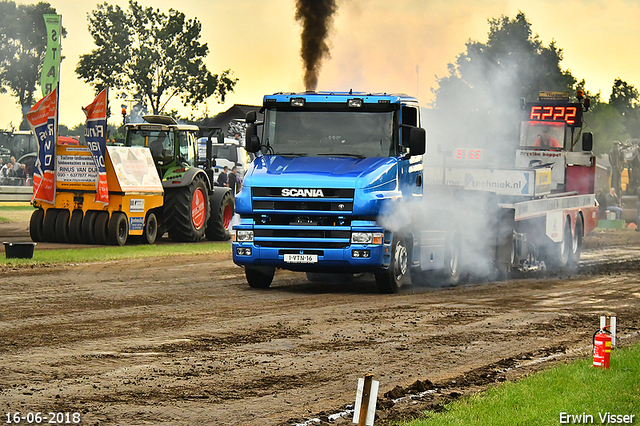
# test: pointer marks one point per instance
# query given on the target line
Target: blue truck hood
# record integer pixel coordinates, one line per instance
(373, 179)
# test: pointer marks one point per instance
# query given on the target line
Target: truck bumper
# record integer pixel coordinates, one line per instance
(354, 258)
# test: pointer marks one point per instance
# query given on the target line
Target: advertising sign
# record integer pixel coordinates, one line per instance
(42, 120)
(95, 136)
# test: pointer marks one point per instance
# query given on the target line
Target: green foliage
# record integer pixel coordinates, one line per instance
(23, 44)
(538, 400)
(607, 126)
(151, 55)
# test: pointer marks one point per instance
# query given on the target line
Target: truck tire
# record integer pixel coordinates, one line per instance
(222, 210)
(62, 226)
(557, 254)
(49, 225)
(505, 247)
(186, 211)
(118, 229)
(36, 226)
(150, 230)
(391, 280)
(88, 227)
(450, 275)
(101, 228)
(75, 227)
(259, 276)
(576, 246)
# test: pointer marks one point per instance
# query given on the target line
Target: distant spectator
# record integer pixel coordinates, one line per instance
(602, 203)
(223, 179)
(613, 203)
(233, 180)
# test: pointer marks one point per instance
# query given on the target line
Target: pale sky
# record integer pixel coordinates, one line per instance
(376, 45)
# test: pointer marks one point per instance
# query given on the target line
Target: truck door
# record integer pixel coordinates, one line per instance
(410, 168)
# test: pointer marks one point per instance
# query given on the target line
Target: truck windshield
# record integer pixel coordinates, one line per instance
(329, 133)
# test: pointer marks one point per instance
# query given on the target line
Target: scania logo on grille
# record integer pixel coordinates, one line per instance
(294, 192)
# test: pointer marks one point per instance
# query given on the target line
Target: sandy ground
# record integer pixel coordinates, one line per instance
(185, 341)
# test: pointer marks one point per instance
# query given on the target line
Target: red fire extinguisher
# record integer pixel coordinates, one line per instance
(602, 348)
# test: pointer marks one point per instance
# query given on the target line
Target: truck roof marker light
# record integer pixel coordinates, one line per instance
(355, 103)
(297, 102)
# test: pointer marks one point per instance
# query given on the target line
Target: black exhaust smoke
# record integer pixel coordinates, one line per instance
(315, 16)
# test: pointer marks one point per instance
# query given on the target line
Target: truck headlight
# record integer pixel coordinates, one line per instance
(243, 235)
(367, 237)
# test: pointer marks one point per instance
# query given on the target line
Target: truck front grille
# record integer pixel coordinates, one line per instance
(310, 218)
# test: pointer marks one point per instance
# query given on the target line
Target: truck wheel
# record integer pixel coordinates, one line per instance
(557, 254)
(391, 280)
(75, 227)
(49, 225)
(576, 246)
(150, 230)
(222, 210)
(118, 229)
(100, 228)
(36, 226)
(88, 227)
(62, 226)
(452, 254)
(506, 249)
(259, 276)
(186, 211)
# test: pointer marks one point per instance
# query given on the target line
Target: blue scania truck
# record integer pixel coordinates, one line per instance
(339, 186)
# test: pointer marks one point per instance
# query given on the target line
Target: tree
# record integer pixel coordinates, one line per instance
(624, 97)
(478, 101)
(151, 55)
(23, 43)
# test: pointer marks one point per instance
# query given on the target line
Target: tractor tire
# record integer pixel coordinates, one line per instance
(88, 227)
(101, 228)
(557, 254)
(49, 225)
(259, 276)
(150, 230)
(391, 280)
(186, 211)
(118, 229)
(62, 226)
(222, 211)
(75, 227)
(36, 226)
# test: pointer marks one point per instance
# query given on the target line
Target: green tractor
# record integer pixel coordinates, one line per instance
(192, 207)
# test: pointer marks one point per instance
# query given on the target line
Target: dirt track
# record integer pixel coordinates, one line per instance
(184, 341)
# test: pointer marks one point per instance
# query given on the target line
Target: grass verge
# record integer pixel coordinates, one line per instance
(108, 253)
(576, 389)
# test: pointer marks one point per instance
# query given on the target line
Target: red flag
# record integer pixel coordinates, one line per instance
(42, 120)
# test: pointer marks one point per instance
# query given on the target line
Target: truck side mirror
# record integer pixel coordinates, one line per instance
(587, 141)
(417, 140)
(220, 137)
(252, 140)
(251, 117)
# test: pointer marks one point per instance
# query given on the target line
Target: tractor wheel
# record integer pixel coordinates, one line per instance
(49, 224)
(88, 227)
(62, 226)
(391, 280)
(118, 229)
(222, 210)
(452, 257)
(259, 276)
(75, 227)
(101, 228)
(186, 211)
(150, 230)
(36, 226)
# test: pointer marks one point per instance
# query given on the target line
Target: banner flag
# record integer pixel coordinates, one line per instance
(42, 120)
(95, 135)
(50, 75)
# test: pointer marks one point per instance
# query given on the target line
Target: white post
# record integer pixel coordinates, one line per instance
(613, 331)
(603, 322)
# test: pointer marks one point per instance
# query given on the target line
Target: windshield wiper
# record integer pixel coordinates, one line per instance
(343, 155)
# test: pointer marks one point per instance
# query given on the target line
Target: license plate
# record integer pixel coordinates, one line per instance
(301, 258)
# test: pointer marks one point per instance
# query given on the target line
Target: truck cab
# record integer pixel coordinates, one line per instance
(327, 166)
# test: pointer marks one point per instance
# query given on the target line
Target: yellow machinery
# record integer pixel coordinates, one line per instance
(135, 191)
